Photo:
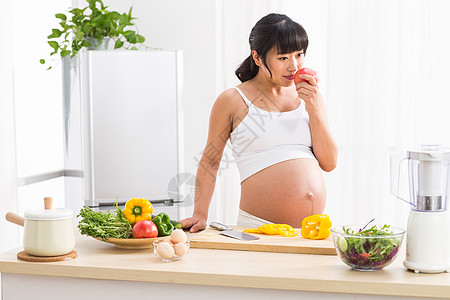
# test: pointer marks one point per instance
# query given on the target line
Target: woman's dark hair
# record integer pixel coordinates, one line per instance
(272, 30)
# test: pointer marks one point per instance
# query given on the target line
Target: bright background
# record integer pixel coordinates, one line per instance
(383, 68)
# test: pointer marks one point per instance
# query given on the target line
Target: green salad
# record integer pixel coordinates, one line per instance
(371, 248)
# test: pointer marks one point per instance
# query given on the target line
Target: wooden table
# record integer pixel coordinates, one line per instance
(100, 270)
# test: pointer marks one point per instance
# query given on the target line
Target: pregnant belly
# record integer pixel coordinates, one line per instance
(286, 192)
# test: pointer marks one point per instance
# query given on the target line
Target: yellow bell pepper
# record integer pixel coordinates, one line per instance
(316, 227)
(274, 229)
(138, 209)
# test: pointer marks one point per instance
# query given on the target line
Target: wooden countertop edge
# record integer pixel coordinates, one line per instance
(266, 248)
(229, 280)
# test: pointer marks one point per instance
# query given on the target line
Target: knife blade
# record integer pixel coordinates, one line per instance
(230, 232)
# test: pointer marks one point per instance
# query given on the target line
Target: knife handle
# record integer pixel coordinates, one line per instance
(219, 226)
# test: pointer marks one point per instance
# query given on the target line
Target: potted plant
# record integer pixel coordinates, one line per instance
(90, 27)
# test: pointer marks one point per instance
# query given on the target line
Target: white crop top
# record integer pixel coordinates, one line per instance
(265, 138)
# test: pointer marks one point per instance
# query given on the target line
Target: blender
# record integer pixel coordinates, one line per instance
(428, 228)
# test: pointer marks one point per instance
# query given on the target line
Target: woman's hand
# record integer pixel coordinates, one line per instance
(195, 223)
(309, 91)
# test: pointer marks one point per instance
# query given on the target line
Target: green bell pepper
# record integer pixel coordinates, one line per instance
(162, 222)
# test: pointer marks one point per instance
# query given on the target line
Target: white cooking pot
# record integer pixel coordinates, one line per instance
(47, 232)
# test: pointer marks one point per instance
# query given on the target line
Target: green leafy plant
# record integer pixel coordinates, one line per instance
(89, 26)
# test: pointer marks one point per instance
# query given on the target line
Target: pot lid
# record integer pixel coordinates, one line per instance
(49, 214)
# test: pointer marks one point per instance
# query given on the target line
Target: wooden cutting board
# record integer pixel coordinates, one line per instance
(212, 239)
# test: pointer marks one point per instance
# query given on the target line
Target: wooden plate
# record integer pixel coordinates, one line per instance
(132, 243)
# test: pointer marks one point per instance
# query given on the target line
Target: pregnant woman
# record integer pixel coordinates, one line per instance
(278, 130)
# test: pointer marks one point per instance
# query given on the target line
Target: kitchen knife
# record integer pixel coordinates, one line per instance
(230, 232)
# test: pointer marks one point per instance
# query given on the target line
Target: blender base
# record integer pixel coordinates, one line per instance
(428, 250)
(422, 268)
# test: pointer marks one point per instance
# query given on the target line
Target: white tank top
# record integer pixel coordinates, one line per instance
(265, 138)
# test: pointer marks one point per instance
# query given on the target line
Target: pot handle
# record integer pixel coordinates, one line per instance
(15, 218)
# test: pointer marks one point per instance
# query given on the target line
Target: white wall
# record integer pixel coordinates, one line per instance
(8, 191)
(30, 110)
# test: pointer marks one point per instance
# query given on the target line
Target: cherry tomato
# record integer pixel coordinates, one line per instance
(145, 229)
(307, 71)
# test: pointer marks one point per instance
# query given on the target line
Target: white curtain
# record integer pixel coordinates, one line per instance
(383, 68)
(386, 92)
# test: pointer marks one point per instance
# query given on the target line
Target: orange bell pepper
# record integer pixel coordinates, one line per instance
(316, 227)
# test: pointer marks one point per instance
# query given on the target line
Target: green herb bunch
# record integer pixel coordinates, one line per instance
(92, 23)
(104, 225)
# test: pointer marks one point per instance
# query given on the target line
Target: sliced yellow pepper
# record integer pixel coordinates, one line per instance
(138, 209)
(274, 229)
(269, 229)
(316, 227)
(286, 230)
(254, 230)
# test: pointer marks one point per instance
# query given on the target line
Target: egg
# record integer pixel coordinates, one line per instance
(165, 250)
(180, 249)
(178, 236)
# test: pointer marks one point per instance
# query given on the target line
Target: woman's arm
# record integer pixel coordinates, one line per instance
(324, 146)
(218, 134)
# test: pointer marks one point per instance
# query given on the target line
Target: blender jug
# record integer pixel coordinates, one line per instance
(428, 174)
(427, 238)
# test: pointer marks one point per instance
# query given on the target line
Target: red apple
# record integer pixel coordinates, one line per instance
(307, 71)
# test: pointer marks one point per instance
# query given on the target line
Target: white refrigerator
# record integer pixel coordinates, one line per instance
(123, 126)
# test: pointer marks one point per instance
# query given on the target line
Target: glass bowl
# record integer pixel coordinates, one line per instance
(168, 251)
(366, 250)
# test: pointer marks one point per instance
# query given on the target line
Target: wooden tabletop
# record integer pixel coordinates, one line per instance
(287, 271)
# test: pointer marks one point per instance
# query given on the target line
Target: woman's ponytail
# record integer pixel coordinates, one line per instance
(247, 70)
